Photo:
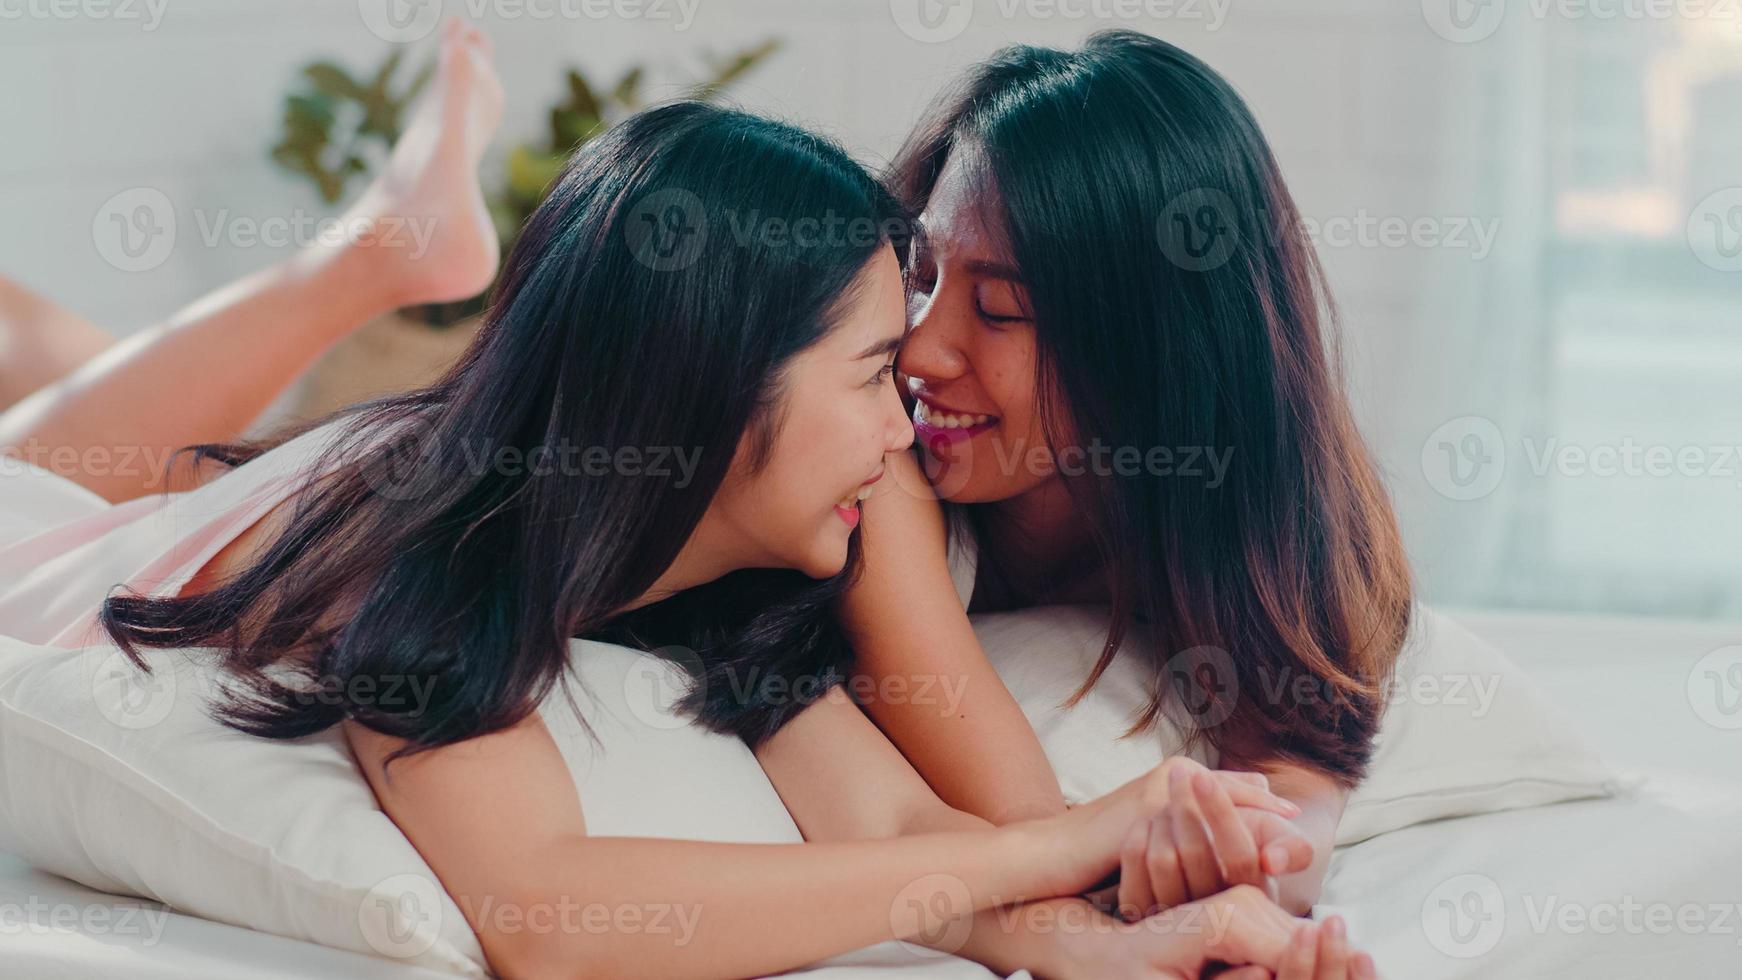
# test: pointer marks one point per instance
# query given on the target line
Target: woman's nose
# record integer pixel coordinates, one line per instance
(930, 352)
(900, 428)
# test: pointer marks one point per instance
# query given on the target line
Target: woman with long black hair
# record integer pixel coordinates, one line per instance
(1124, 369)
(448, 536)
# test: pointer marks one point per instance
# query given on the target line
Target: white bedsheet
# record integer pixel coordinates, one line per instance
(1675, 850)
(54, 929)
(1676, 847)
(1587, 890)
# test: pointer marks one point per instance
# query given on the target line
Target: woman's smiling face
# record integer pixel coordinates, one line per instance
(970, 357)
(838, 417)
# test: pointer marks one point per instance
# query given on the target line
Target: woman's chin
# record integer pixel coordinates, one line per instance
(828, 558)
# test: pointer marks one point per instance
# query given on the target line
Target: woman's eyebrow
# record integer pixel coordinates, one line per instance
(883, 348)
(992, 270)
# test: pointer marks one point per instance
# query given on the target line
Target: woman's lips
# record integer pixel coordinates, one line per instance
(937, 427)
(849, 510)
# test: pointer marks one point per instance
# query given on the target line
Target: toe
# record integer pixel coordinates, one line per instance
(457, 62)
(478, 39)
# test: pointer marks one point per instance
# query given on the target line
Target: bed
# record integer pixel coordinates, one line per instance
(1649, 883)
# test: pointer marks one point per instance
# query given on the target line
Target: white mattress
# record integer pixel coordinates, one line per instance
(1618, 865)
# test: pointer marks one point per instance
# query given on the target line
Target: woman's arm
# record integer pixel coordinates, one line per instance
(499, 821)
(922, 674)
(842, 780)
(970, 740)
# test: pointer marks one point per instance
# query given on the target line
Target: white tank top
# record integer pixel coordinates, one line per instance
(63, 549)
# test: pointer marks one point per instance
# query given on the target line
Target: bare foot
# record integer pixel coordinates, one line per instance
(431, 228)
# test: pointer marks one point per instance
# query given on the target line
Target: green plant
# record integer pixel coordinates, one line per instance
(585, 113)
(328, 127)
(338, 126)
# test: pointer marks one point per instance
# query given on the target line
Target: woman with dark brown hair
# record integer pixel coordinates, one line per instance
(780, 365)
(1125, 374)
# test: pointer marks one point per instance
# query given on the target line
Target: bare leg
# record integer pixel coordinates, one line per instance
(209, 372)
(40, 342)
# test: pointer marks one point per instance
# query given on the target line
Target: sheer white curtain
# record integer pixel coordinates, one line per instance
(1562, 419)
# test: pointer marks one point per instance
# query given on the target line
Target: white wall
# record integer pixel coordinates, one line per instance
(184, 96)
(1373, 113)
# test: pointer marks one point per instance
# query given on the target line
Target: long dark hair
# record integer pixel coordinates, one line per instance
(461, 534)
(1116, 165)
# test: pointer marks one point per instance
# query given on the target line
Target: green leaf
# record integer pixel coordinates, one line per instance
(581, 97)
(334, 80)
(388, 69)
(628, 91)
(733, 68)
(331, 185)
(419, 83)
(531, 172)
(570, 129)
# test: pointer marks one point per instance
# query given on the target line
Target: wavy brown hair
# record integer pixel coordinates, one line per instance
(1178, 302)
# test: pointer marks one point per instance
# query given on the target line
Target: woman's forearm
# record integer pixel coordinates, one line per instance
(1321, 801)
(922, 674)
(637, 906)
(1046, 937)
(984, 758)
(499, 821)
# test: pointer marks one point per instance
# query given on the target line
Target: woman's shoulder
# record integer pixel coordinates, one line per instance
(304, 454)
(909, 535)
(266, 488)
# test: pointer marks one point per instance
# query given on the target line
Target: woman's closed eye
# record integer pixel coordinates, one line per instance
(996, 318)
(883, 374)
(1000, 303)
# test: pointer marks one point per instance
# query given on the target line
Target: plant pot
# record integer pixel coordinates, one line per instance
(386, 355)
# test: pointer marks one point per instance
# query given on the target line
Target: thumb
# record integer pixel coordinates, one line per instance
(1281, 847)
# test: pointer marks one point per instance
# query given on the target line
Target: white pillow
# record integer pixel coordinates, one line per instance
(120, 781)
(1466, 731)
